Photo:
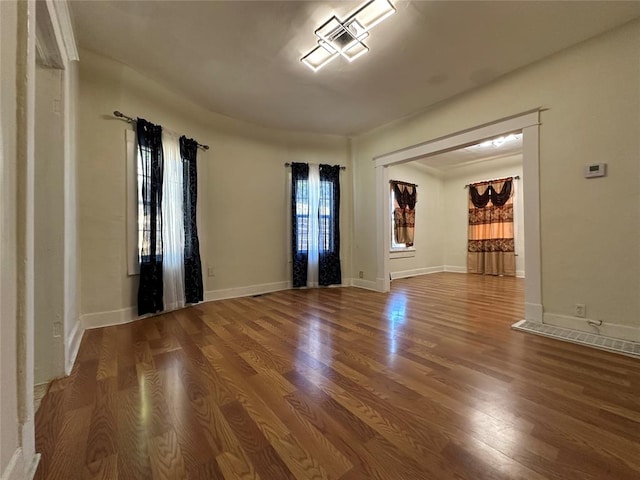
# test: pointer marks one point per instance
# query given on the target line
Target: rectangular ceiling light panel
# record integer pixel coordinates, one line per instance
(345, 37)
(319, 57)
(372, 13)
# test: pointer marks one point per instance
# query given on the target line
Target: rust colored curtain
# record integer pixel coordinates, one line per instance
(491, 247)
(405, 196)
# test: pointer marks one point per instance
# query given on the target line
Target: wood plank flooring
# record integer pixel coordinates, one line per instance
(427, 382)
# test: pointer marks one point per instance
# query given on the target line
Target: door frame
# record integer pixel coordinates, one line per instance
(529, 124)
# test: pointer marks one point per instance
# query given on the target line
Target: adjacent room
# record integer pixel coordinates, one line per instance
(339, 240)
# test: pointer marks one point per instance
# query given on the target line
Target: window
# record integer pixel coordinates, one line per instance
(394, 244)
(315, 236)
(326, 240)
(327, 233)
(142, 233)
(302, 214)
(403, 198)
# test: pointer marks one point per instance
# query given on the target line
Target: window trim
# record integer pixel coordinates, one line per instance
(407, 252)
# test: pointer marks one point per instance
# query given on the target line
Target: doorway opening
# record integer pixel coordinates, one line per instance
(527, 124)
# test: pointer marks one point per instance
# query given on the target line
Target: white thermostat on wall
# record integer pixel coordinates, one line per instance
(593, 170)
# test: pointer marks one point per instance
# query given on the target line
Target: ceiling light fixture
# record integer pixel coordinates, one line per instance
(498, 142)
(344, 38)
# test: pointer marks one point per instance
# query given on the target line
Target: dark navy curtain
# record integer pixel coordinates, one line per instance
(299, 222)
(150, 298)
(329, 272)
(193, 290)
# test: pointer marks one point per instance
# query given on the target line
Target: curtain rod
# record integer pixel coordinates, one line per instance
(517, 177)
(119, 114)
(288, 165)
(403, 183)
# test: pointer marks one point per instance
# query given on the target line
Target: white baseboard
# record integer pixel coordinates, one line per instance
(457, 269)
(18, 468)
(533, 312)
(109, 318)
(607, 329)
(260, 289)
(32, 466)
(126, 315)
(73, 346)
(15, 468)
(416, 271)
(454, 269)
(366, 284)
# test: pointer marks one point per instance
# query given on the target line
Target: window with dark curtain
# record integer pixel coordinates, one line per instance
(327, 211)
(329, 271)
(150, 289)
(299, 222)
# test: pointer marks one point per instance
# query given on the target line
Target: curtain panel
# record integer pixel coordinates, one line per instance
(405, 197)
(329, 272)
(193, 288)
(172, 223)
(299, 222)
(150, 288)
(491, 245)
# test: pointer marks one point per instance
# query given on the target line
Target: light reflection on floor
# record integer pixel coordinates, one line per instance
(396, 317)
(316, 342)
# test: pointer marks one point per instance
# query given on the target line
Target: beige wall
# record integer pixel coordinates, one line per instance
(590, 229)
(456, 208)
(242, 197)
(9, 424)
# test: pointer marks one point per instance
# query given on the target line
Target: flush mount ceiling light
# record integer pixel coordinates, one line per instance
(498, 142)
(344, 38)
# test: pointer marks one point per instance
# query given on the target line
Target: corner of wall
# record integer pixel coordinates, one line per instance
(72, 346)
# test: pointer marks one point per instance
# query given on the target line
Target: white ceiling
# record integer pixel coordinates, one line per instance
(241, 58)
(447, 161)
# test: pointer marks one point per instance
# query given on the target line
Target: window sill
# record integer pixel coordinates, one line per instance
(402, 253)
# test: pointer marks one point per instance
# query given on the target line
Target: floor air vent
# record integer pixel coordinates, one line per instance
(624, 347)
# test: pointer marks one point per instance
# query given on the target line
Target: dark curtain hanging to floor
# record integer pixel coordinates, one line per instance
(150, 297)
(193, 290)
(329, 272)
(299, 222)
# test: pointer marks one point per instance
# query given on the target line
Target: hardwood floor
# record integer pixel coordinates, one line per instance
(427, 382)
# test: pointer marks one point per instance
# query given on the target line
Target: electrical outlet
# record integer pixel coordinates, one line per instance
(580, 310)
(360, 274)
(57, 329)
(211, 272)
